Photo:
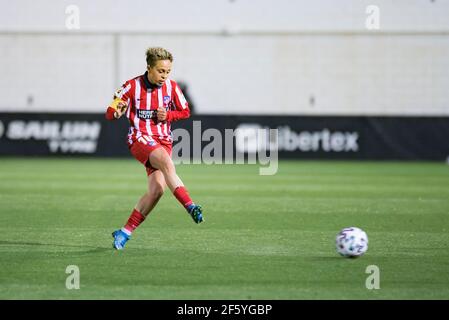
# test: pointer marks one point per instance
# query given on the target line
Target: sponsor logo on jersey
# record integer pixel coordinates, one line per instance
(146, 114)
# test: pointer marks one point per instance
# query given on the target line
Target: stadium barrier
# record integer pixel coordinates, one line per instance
(303, 137)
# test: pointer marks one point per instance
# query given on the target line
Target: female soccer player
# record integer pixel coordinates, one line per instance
(151, 102)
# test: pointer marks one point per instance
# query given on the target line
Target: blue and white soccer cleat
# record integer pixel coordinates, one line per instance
(196, 213)
(120, 239)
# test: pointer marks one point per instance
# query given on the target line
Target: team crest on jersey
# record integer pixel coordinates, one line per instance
(166, 100)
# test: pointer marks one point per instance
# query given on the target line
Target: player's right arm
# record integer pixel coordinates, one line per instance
(119, 103)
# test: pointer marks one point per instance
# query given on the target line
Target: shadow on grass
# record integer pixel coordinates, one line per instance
(333, 258)
(87, 249)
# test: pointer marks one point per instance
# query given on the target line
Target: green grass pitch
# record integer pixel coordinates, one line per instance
(265, 237)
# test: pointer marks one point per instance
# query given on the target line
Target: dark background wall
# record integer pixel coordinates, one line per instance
(302, 137)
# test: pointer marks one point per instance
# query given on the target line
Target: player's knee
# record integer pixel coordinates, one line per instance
(167, 166)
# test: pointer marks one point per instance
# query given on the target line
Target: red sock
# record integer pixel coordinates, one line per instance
(135, 219)
(182, 195)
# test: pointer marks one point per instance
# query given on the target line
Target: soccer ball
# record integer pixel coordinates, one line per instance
(351, 242)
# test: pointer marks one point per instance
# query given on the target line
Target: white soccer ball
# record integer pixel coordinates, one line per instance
(351, 242)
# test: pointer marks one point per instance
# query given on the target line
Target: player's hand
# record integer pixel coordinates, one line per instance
(121, 108)
(161, 114)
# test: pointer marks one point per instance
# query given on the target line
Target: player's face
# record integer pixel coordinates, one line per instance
(159, 72)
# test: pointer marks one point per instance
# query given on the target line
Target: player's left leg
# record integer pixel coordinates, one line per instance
(156, 186)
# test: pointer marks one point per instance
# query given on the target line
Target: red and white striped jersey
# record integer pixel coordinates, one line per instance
(143, 101)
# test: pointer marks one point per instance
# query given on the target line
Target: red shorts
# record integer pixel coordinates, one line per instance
(141, 152)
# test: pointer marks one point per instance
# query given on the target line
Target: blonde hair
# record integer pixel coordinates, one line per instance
(155, 54)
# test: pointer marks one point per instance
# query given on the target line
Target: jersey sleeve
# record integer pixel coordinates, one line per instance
(181, 106)
(122, 94)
